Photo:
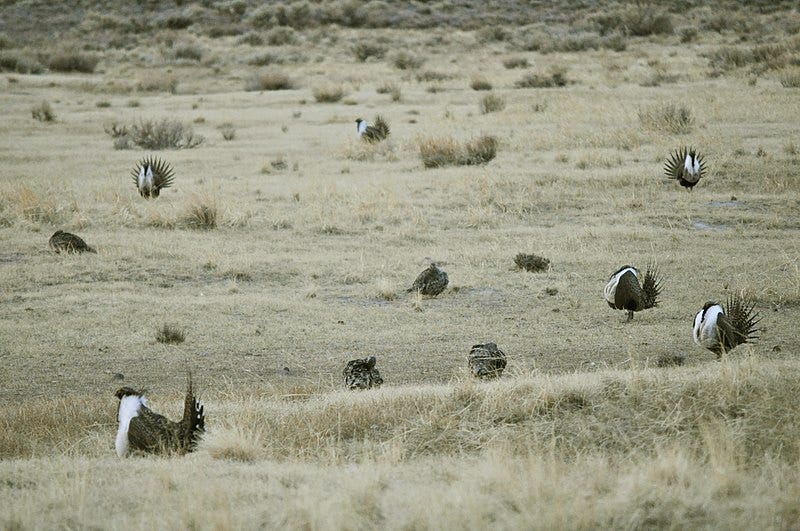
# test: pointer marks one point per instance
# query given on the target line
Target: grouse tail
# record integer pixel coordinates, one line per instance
(651, 285)
(193, 422)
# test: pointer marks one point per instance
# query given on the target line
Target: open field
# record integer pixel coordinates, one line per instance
(316, 236)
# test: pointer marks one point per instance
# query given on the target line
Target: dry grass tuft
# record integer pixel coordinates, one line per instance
(200, 213)
(515, 62)
(666, 118)
(328, 93)
(170, 333)
(403, 60)
(363, 50)
(158, 82)
(445, 151)
(37, 208)
(790, 79)
(72, 61)
(269, 80)
(154, 135)
(228, 131)
(480, 83)
(532, 262)
(491, 103)
(43, 112)
(556, 78)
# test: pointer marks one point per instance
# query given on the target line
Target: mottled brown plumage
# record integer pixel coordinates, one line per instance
(625, 292)
(362, 374)
(150, 432)
(67, 242)
(431, 282)
(685, 166)
(486, 361)
(150, 175)
(372, 132)
(721, 330)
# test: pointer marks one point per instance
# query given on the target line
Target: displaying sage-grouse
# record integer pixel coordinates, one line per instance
(686, 166)
(625, 292)
(721, 330)
(67, 242)
(150, 175)
(372, 132)
(486, 361)
(430, 282)
(362, 374)
(142, 430)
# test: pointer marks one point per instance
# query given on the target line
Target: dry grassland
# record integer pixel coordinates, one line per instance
(287, 242)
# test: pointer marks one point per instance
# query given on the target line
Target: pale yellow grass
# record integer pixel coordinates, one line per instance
(308, 264)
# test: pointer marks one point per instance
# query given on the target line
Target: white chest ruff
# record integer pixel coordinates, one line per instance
(705, 326)
(128, 408)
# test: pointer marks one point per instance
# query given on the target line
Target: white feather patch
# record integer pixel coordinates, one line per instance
(128, 408)
(362, 127)
(610, 291)
(705, 326)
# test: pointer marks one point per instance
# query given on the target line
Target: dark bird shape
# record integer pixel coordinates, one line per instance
(432, 281)
(686, 166)
(625, 292)
(67, 242)
(721, 330)
(372, 132)
(150, 175)
(362, 374)
(140, 429)
(486, 361)
(531, 262)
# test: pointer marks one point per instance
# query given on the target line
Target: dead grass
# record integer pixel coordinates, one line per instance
(200, 213)
(328, 93)
(43, 112)
(445, 151)
(491, 103)
(269, 80)
(666, 118)
(557, 77)
(170, 333)
(154, 135)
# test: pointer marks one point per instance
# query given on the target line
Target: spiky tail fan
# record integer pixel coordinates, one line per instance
(193, 422)
(741, 313)
(651, 286)
(382, 127)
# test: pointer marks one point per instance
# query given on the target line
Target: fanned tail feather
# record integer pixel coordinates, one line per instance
(382, 127)
(193, 422)
(741, 313)
(651, 286)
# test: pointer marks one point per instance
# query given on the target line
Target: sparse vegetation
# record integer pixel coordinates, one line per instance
(492, 103)
(364, 50)
(43, 112)
(158, 82)
(13, 61)
(71, 61)
(666, 118)
(200, 213)
(480, 83)
(154, 134)
(557, 77)
(228, 131)
(269, 80)
(515, 62)
(791, 79)
(445, 151)
(170, 333)
(406, 61)
(531, 262)
(328, 93)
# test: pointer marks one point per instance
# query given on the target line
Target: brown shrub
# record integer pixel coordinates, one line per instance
(270, 80)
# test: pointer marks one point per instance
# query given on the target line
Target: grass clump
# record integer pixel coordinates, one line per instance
(169, 333)
(392, 90)
(328, 94)
(557, 77)
(270, 80)
(158, 82)
(71, 61)
(480, 83)
(666, 118)
(403, 60)
(281, 36)
(445, 151)
(189, 52)
(515, 62)
(228, 131)
(639, 21)
(790, 79)
(531, 262)
(491, 103)
(43, 112)
(201, 214)
(154, 134)
(19, 63)
(365, 49)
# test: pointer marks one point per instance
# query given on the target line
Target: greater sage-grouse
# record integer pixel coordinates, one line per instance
(486, 361)
(362, 374)
(67, 242)
(685, 166)
(430, 282)
(372, 132)
(143, 430)
(625, 292)
(720, 330)
(150, 175)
